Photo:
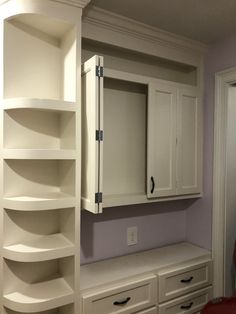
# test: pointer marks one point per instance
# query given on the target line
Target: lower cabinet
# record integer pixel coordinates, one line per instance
(148, 283)
(126, 298)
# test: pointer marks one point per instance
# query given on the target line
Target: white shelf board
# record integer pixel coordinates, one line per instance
(40, 296)
(36, 103)
(39, 202)
(44, 248)
(66, 154)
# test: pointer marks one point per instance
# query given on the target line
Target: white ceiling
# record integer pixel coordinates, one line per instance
(203, 20)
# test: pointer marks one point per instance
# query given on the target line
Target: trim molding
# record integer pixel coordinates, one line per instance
(123, 25)
(222, 81)
(75, 3)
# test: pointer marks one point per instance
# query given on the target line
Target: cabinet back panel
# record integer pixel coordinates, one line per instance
(124, 138)
(32, 65)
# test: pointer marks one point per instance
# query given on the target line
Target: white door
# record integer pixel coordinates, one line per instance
(161, 140)
(92, 134)
(189, 146)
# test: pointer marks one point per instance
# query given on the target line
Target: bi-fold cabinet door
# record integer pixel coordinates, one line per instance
(174, 141)
(92, 134)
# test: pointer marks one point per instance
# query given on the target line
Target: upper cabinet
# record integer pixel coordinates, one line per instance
(174, 155)
(141, 138)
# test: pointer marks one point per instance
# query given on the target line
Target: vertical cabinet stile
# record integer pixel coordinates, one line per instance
(92, 134)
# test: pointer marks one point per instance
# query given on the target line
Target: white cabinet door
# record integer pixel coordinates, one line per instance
(189, 148)
(92, 128)
(161, 140)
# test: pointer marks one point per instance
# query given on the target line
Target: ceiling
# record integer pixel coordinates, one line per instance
(203, 20)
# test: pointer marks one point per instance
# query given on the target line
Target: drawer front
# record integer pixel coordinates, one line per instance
(153, 310)
(180, 281)
(127, 298)
(189, 304)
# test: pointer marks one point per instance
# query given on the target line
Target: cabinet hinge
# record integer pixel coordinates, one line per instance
(99, 135)
(99, 71)
(98, 198)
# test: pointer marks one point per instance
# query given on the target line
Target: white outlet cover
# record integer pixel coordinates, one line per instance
(132, 235)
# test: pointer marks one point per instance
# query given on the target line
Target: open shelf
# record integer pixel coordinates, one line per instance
(38, 286)
(28, 128)
(40, 296)
(39, 154)
(37, 236)
(40, 58)
(66, 309)
(39, 202)
(39, 184)
(44, 248)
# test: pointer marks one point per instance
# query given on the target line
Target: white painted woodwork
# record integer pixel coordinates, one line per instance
(170, 281)
(117, 279)
(161, 140)
(40, 296)
(141, 293)
(195, 301)
(92, 121)
(189, 146)
(120, 268)
(40, 156)
(153, 310)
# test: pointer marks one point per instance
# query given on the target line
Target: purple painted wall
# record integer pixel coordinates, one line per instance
(159, 224)
(221, 55)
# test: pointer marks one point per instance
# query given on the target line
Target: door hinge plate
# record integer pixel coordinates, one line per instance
(99, 135)
(99, 71)
(98, 198)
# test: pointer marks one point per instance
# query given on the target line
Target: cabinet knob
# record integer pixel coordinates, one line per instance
(153, 184)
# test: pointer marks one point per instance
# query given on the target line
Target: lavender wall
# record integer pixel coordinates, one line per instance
(221, 56)
(159, 224)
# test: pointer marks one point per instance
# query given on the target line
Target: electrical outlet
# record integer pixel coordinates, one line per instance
(132, 235)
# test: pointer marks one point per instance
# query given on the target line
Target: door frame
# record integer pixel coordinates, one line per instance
(222, 81)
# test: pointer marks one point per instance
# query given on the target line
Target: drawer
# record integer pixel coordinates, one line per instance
(129, 297)
(190, 304)
(176, 282)
(153, 310)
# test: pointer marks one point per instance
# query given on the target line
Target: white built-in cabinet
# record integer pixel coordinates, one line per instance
(142, 138)
(40, 157)
(174, 152)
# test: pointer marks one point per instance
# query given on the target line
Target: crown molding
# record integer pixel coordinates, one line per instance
(97, 18)
(75, 3)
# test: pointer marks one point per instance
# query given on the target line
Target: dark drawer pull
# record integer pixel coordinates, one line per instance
(187, 280)
(153, 184)
(186, 307)
(122, 302)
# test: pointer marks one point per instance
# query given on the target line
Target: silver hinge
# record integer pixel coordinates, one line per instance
(99, 135)
(98, 198)
(99, 71)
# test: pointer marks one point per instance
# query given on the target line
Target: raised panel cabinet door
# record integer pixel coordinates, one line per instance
(189, 146)
(92, 133)
(161, 140)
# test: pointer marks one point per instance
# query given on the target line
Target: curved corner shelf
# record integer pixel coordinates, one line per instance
(39, 202)
(45, 248)
(36, 103)
(40, 296)
(57, 154)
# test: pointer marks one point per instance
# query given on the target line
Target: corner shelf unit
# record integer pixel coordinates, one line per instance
(40, 157)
